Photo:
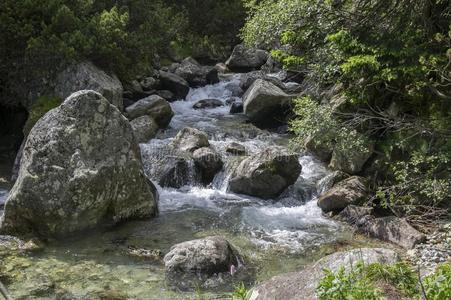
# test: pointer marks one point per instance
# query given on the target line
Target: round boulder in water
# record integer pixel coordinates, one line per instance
(81, 166)
(153, 106)
(190, 139)
(209, 162)
(208, 256)
(144, 128)
(208, 103)
(266, 174)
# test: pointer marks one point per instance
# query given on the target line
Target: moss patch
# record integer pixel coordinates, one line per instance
(42, 105)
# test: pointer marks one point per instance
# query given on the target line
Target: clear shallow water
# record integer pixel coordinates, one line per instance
(275, 236)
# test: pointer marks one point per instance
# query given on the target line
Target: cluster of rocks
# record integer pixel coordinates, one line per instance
(435, 250)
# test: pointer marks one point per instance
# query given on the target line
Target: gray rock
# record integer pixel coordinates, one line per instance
(326, 183)
(149, 83)
(209, 162)
(236, 149)
(208, 103)
(144, 128)
(354, 215)
(86, 76)
(175, 84)
(211, 255)
(321, 151)
(353, 190)
(153, 106)
(222, 68)
(393, 229)
(195, 74)
(236, 108)
(264, 101)
(266, 174)
(303, 284)
(189, 139)
(293, 88)
(246, 59)
(167, 95)
(351, 161)
(247, 79)
(81, 166)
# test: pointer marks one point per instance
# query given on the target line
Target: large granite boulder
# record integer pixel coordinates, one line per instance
(353, 190)
(86, 76)
(209, 163)
(144, 128)
(153, 106)
(195, 74)
(392, 229)
(245, 59)
(266, 174)
(175, 84)
(189, 139)
(264, 102)
(303, 284)
(247, 79)
(211, 255)
(81, 166)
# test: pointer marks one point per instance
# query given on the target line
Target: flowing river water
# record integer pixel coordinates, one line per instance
(275, 236)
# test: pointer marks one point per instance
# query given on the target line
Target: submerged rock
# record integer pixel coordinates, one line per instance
(246, 59)
(81, 166)
(265, 103)
(349, 191)
(303, 284)
(207, 256)
(236, 108)
(86, 76)
(189, 139)
(175, 84)
(209, 162)
(236, 149)
(144, 128)
(153, 106)
(208, 103)
(266, 174)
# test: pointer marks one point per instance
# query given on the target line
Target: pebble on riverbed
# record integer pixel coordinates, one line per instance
(436, 249)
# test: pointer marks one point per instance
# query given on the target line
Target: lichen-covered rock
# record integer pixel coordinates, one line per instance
(144, 128)
(353, 190)
(354, 215)
(209, 162)
(264, 102)
(189, 139)
(209, 256)
(175, 84)
(266, 174)
(86, 76)
(81, 166)
(303, 284)
(246, 59)
(153, 106)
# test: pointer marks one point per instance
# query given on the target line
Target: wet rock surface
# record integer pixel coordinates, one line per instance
(266, 174)
(153, 106)
(246, 59)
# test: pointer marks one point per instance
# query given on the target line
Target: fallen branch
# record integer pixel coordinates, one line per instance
(4, 292)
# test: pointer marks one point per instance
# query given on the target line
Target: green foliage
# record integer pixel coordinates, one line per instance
(344, 285)
(361, 281)
(317, 122)
(438, 285)
(380, 53)
(42, 105)
(240, 293)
